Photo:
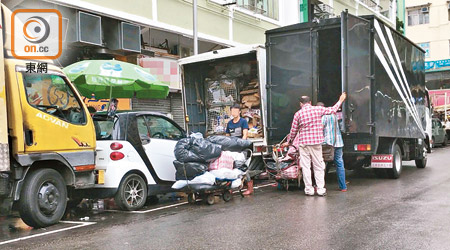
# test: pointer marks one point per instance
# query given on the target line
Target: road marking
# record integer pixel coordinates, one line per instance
(81, 224)
(173, 205)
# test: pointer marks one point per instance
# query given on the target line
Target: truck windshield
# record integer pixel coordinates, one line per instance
(52, 94)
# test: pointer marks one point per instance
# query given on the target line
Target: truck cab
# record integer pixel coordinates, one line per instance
(49, 149)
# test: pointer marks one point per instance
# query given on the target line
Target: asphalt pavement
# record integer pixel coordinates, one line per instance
(412, 212)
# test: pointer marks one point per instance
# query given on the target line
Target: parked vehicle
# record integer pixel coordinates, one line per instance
(382, 72)
(47, 139)
(213, 81)
(135, 154)
(439, 134)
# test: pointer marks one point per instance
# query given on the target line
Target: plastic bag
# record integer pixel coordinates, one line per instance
(273, 165)
(189, 170)
(236, 183)
(228, 143)
(206, 178)
(225, 160)
(197, 135)
(227, 174)
(196, 150)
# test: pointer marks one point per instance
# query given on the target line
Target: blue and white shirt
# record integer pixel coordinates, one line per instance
(329, 122)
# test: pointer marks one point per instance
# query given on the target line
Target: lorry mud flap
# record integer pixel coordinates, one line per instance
(382, 161)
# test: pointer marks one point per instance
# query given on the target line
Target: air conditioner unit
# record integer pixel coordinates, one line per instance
(89, 28)
(121, 36)
(425, 9)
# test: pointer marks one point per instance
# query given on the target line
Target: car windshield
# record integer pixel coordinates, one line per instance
(103, 128)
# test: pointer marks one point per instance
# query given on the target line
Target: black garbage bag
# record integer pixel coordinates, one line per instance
(206, 150)
(189, 170)
(183, 153)
(228, 143)
(196, 150)
(240, 165)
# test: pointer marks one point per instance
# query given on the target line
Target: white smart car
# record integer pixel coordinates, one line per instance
(135, 154)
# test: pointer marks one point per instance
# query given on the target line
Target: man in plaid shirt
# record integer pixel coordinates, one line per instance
(307, 135)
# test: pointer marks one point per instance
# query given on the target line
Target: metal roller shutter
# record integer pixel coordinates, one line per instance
(171, 105)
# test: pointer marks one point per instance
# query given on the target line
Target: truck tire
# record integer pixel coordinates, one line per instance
(132, 193)
(396, 170)
(422, 163)
(43, 199)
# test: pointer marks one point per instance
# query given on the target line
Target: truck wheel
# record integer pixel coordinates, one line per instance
(394, 173)
(422, 163)
(43, 199)
(132, 193)
(444, 144)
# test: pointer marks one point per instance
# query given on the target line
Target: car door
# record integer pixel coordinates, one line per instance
(164, 135)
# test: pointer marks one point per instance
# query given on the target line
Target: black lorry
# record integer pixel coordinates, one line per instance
(383, 73)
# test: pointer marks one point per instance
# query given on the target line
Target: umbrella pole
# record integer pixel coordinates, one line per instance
(110, 96)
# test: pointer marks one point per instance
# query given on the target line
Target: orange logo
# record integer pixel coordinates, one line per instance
(36, 33)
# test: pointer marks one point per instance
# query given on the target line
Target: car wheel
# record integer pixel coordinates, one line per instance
(444, 144)
(396, 170)
(422, 163)
(43, 199)
(132, 193)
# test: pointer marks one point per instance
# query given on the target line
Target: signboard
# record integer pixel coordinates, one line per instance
(165, 70)
(438, 97)
(382, 161)
(437, 64)
(102, 104)
(304, 14)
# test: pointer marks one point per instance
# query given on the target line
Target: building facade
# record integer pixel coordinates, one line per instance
(428, 25)
(156, 33)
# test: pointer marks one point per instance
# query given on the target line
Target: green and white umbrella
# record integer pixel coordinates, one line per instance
(110, 78)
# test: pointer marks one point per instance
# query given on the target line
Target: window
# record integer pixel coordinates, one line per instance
(426, 47)
(161, 128)
(267, 8)
(52, 95)
(418, 16)
(143, 131)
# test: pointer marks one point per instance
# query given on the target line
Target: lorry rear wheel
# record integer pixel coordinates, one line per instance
(132, 193)
(396, 170)
(422, 163)
(43, 199)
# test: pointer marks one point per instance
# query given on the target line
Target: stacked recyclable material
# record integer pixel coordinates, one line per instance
(211, 160)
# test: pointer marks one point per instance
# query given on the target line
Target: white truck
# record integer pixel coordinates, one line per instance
(212, 82)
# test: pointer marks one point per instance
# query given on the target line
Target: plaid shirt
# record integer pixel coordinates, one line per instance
(307, 123)
(329, 128)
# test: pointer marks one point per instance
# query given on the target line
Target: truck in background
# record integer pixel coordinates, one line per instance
(47, 138)
(212, 82)
(385, 115)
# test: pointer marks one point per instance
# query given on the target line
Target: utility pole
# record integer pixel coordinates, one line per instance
(194, 5)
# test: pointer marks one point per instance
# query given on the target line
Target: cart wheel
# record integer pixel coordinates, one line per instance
(227, 196)
(191, 198)
(210, 199)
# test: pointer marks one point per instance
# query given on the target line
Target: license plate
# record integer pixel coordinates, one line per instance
(382, 161)
(101, 177)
